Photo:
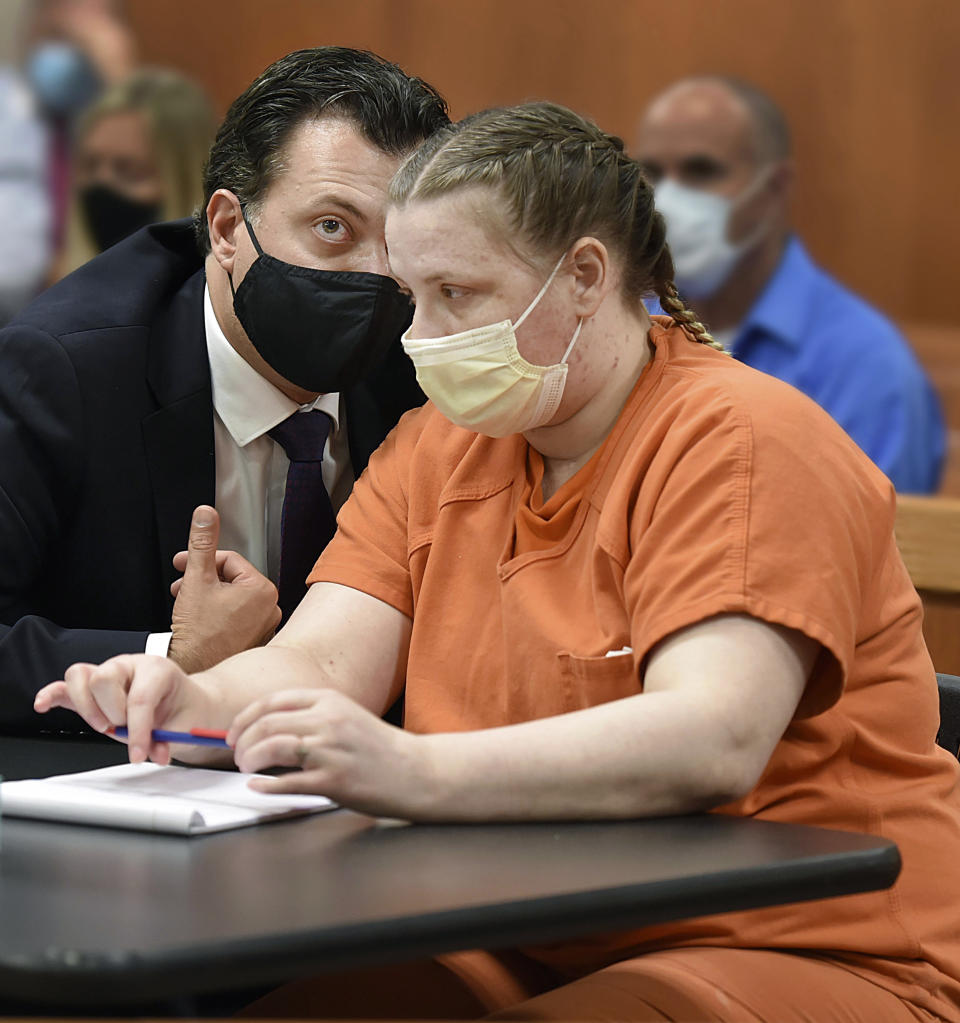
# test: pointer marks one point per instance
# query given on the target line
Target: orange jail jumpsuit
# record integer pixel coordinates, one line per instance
(718, 490)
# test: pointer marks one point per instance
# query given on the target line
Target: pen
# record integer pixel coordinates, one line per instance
(196, 736)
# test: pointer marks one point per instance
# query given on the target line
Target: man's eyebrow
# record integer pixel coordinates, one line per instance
(331, 199)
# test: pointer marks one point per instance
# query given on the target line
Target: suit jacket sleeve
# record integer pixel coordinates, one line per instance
(41, 468)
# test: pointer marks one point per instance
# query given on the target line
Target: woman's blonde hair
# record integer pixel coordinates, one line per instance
(558, 178)
(181, 124)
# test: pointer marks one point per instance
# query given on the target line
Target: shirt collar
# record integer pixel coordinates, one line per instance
(248, 404)
(784, 304)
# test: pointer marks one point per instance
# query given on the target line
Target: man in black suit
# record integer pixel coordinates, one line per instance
(151, 381)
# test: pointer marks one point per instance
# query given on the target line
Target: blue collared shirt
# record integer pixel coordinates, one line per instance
(809, 330)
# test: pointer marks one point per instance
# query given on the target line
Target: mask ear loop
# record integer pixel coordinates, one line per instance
(573, 341)
(252, 233)
(762, 176)
(253, 238)
(540, 293)
(760, 179)
(533, 305)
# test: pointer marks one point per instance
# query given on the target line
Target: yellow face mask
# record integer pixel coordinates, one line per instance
(479, 380)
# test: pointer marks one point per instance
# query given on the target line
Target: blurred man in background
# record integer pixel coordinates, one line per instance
(718, 152)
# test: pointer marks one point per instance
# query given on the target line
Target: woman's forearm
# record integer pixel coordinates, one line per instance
(648, 755)
(237, 681)
(338, 638)
(214, 697)
(717, 699)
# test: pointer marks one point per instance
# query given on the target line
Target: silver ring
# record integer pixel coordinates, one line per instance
(302, 754)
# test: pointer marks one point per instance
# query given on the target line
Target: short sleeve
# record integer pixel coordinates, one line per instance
(369, 551)
(770, 512)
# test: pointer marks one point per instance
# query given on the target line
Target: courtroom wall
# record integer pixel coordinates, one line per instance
(871, 87)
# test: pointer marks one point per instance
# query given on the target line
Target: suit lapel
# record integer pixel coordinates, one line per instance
(178, 437)
(377, 402)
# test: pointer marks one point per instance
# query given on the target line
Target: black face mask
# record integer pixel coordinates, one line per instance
(322, 330)
(111, 216)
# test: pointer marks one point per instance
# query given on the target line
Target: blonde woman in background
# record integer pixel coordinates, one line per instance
(140, 152)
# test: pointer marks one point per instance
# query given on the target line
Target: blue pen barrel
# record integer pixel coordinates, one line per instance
(165, 735)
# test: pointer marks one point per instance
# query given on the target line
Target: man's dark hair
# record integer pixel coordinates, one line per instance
(392, 110)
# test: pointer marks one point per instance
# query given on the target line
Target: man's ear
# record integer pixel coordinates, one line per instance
(224, 221)
(782, 178)
(590, 262)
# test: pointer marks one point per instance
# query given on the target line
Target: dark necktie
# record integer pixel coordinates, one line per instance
(307, 522)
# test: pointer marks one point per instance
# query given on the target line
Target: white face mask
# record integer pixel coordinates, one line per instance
(480, 381)
(697, 225)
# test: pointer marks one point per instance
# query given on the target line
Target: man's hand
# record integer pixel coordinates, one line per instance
(223, 604)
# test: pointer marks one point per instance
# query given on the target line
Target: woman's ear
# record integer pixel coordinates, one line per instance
(590, 264)
(224, 220)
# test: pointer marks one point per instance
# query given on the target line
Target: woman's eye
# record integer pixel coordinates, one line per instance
(449, 291)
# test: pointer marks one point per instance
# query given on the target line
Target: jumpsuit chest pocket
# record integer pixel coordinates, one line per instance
(589, 681)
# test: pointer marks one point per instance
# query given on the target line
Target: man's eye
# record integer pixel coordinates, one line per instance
(331, 228)
(450, 291)
(702, 170)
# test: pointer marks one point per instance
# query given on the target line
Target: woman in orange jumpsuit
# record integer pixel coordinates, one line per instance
(617, 574)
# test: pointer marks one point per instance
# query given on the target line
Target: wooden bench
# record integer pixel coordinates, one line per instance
(928, 535)
(938, 349)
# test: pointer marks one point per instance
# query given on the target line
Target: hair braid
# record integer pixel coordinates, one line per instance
(666, 290)
(672, 304)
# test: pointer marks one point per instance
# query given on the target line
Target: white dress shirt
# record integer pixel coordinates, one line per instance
(251, 467)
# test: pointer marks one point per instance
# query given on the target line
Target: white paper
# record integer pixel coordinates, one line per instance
(150, 797)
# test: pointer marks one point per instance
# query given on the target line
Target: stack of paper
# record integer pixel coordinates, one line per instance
(149, 797)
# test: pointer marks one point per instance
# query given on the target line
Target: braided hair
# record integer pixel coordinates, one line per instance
(559, 178)
(670, 300)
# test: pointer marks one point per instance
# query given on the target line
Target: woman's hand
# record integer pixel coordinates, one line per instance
(136, 690)
(343, 751)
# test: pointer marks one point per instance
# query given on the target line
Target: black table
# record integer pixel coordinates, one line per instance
(92, 916)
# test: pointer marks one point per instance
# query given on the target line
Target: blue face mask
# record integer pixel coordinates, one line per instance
(62, 78)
